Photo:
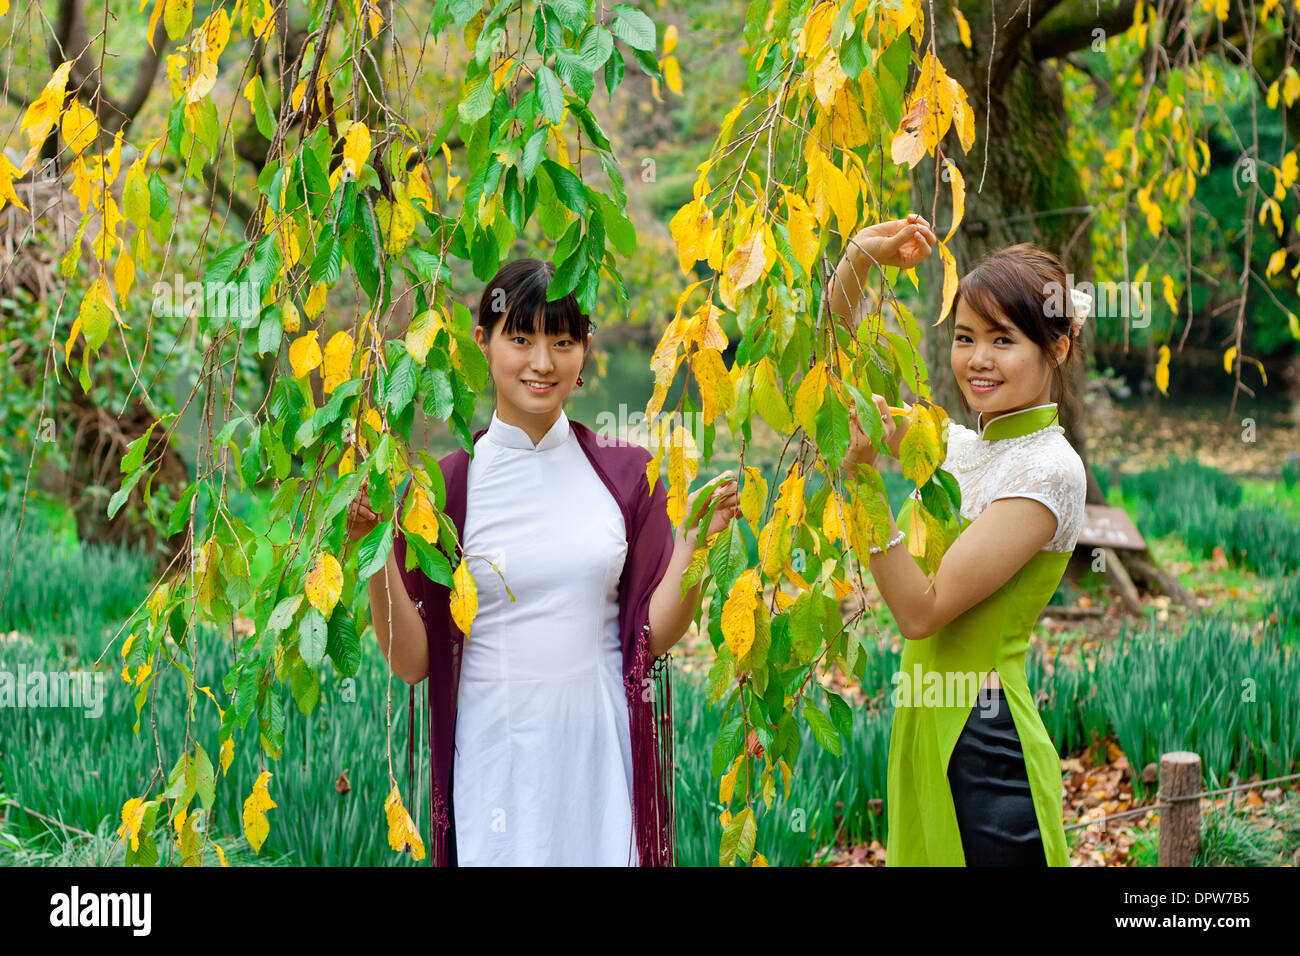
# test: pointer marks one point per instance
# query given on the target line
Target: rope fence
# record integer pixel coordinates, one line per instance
(1179, 797)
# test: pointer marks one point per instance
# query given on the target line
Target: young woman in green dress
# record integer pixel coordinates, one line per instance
(973, 777)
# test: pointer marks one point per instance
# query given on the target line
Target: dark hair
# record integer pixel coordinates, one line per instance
(1028, 286)
(519, 290)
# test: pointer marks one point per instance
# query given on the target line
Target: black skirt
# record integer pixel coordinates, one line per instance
(990, 790)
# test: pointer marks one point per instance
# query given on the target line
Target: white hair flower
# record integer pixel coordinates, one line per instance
(1082, 307)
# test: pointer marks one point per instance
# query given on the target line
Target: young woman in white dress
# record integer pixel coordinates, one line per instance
(542, 773)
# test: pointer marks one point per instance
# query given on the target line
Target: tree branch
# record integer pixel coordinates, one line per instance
(1070, 26)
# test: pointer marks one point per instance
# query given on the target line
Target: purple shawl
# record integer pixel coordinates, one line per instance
(622, 467)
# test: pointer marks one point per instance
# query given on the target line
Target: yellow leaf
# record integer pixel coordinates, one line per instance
(958, 197)
(227, 754)
(808, 397)
(831, 190)
(304, 354)
(670, 38)
(692, 230)
(790, 496)
(420, 518)
(289, 320)
(422, 333)
(963, 28)
(256, 826)
(683, 464)
(79, 127)
(716, 388)
(672, 74)
(402, 833)
(315, 300)
(753, 497)
(43, 113)
(356, 148)
(950, 281)
(727, 786)
(744, 267)
(802, 227)
(324, 583)
(337, 361)
(132, 819)
(1162, 371)
(1275, 262)
(909, 143)
(1169, 294)
(834, 515)
(464, 598)
(7, 195)
(738, 613)
(1228, 356)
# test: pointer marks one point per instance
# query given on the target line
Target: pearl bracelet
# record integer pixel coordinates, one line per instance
(893, 541)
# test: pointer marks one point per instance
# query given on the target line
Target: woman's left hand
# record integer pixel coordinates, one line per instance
(726, 490)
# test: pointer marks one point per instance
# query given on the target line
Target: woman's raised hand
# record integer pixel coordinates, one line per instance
(726, 490)
(861, 450)
(898, 242)
(361, 519)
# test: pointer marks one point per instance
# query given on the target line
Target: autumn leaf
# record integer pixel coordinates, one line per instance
(132, 819)
(420, 518)
(738, 613)
(324, 583)
(1162, 371)
(356, 148)
(744, 267)
(304, 354)
(79, 127)
(402, 833)
(256, 826)
(808, 397)
(909, 143)
(950, 281)
(714, 381)
(43, 113)
(289, 319)
(802, 226)
(464, 598)
(337, 361)
(692, 230)
(958, 196)
(753, 497)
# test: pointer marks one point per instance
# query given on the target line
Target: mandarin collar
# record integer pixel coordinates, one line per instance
(512, 436)
(1020, 422)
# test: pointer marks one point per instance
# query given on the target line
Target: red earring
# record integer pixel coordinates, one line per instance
(579, 381)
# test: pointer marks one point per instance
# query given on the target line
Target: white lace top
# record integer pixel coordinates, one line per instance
(1045, 468)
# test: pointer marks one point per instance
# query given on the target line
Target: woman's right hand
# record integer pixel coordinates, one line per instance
(361, 518)
(899, 242)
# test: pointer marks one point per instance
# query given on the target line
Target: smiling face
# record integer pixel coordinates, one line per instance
(533, 372)
(1017, 372)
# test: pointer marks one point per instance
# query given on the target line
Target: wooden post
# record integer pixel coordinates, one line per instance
(1180, 819)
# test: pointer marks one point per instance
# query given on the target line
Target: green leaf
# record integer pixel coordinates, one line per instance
(313, 636)
(401, 384)
(596, 46)
(373, 551)
(119, 498)
(823, 730)
(738, 838)
(344, 645)
(477, 100)
(549, 96)
(568, 188)
(633, 27)
(727, 745)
